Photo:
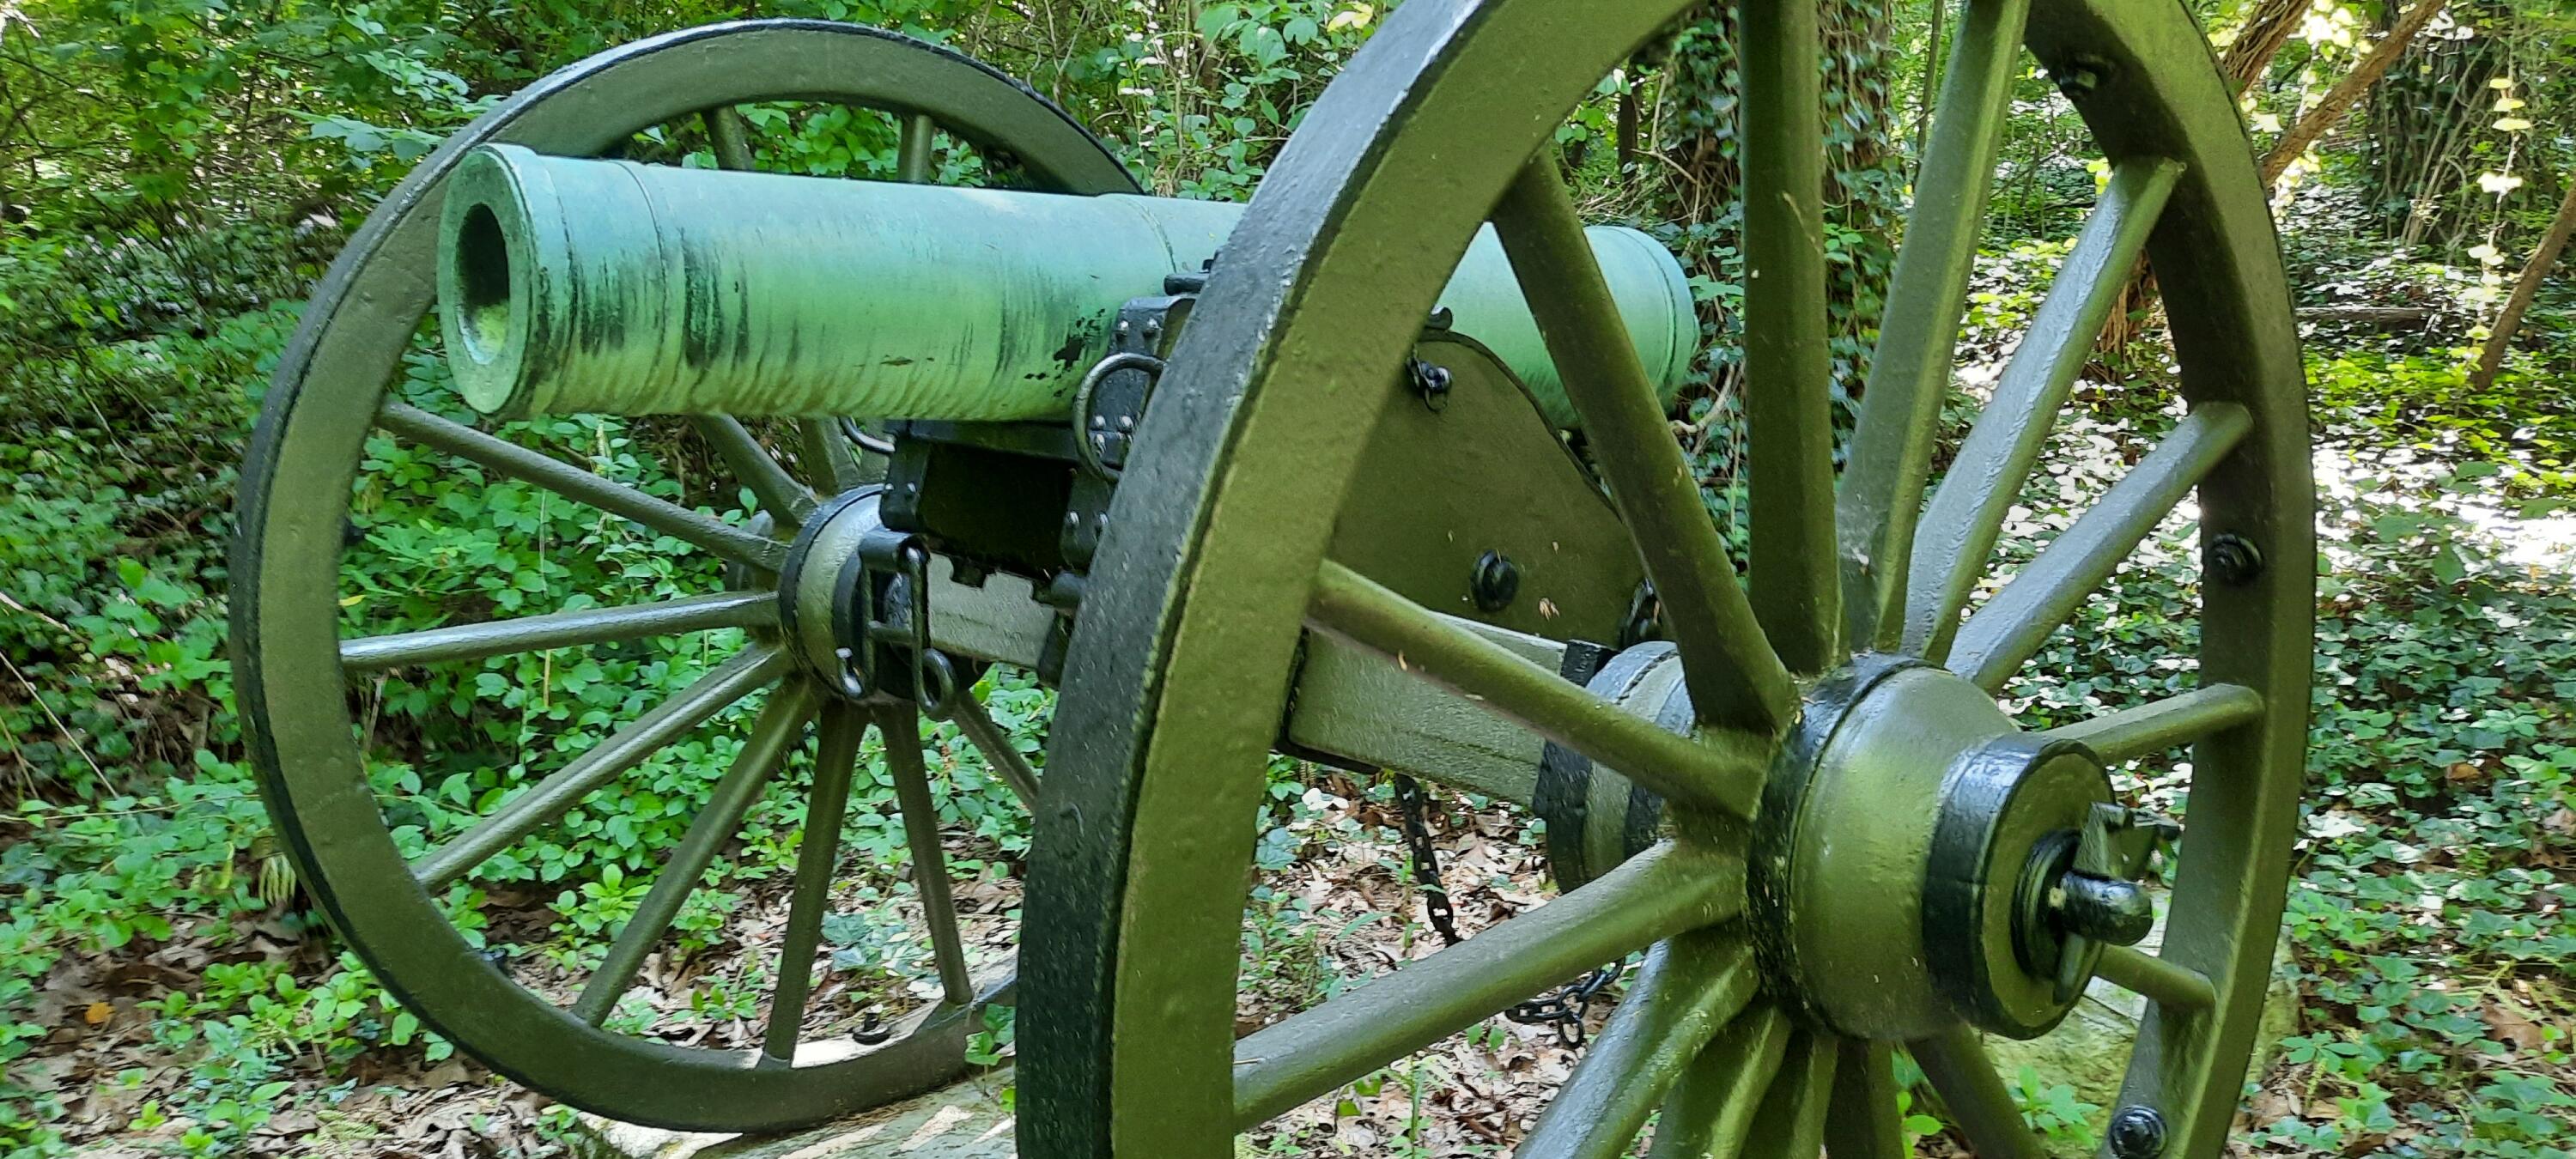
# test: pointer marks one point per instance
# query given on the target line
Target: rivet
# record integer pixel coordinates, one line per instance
(1126, 422)
(1073, 519)
(1098, 422)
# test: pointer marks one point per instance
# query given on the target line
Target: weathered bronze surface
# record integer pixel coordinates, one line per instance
(572, 285)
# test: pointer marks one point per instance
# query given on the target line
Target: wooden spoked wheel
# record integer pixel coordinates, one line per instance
(1861, 851)
(294, 666)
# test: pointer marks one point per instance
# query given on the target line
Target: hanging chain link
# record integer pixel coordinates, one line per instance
(1563, 1010)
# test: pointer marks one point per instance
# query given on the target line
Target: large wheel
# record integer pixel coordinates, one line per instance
(331, 391)
(1862, 852)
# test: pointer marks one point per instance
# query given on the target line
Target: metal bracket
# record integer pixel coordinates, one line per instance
(1110, 404)
(881, 601)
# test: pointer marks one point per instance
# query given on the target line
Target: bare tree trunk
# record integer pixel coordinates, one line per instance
(2245, 60)
(2250, 55)
(2491, 359)
(2347, 92)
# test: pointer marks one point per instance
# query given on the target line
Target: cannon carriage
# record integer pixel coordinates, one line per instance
(1374, 472)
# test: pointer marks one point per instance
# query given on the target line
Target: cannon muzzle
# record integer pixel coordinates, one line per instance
(571, 285)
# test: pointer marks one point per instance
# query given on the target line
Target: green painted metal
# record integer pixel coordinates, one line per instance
(1710, 1110)
(580, 285)
(2174, 987)
(901, 727)
(1909, 374)
(1181, 668)
(781, 725)
(1834, 860)
(1973, 1095)
(818, 850)
(1957, 536)
(749, 670)
(1867, 1121)
(560, 629)
(555, 475)
(1004, 757)
(1656, 895)
(1485, 472)
(1689, 988)
(1187, 647)
(1724, 777)
(2158, 725)
(2044, 594)
(1790, 1124)
(1736, 679)
(1788, 362)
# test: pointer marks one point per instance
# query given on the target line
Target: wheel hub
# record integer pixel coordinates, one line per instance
(1913, 863)
(845, 600)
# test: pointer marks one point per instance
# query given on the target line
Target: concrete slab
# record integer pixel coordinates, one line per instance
(965, 1121)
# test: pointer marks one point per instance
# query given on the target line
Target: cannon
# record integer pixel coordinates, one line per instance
(1373, 473)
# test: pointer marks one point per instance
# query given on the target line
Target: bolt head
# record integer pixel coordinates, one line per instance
(2233, 559)
(1495, 582)
(2137, 1133)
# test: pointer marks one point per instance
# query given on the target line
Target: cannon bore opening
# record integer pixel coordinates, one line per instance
(481, 254)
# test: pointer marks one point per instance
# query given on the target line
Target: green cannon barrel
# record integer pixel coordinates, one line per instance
(572, 285)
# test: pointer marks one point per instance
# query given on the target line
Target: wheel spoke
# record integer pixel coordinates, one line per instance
(2019, 618)
(825, 455)
(1788, 367)
(2158, 725)
(781, 725)
(572, 482)
(1353, 607)
(901, 730)
(912, 153)
(624, 749)
(991, 741)
(1968, 510)
(730, 137)
(1791, 1123)
(1891, 448)
(2172, 985)
(1735, 678)
(1865, 1122)
(560, 629)
(1690, 986)
(836, 758)
(786, 500)
(1974, 1095)
(1711, 1109)
(1652, 896)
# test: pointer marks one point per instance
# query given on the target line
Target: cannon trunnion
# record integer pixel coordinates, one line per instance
(1378, 473)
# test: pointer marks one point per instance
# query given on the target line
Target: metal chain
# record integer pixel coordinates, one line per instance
(1563, 1010)
(1426, 858)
